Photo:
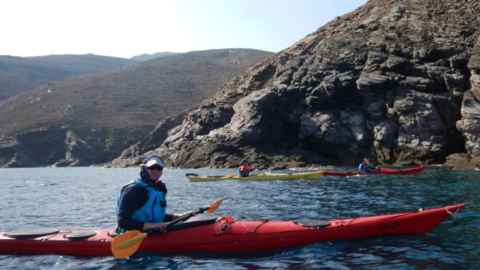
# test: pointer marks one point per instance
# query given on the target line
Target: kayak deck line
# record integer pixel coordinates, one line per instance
(236, 236)
(386, 171)
(257, 177)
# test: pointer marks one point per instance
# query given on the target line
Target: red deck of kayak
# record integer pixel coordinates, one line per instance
(381, 171)
(237, 237)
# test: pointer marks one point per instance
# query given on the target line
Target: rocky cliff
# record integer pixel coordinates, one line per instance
(394, 80)
(469, 124)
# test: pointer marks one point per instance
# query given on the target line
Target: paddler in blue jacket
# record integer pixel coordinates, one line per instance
(141, 204)
(366, 166)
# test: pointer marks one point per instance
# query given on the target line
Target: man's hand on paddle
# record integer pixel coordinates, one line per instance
(161, 227)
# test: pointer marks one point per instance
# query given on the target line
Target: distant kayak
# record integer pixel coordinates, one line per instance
(257, 177)
(226, 235)
(381, 171)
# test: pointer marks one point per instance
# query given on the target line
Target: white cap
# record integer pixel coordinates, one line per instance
(154, 161)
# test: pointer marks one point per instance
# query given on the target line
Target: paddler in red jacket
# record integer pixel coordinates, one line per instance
(244, 170)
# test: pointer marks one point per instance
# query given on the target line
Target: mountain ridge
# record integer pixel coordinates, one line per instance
(22, 74)
(92, 118)
(146, 56)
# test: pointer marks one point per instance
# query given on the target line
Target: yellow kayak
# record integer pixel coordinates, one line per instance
(257, 177)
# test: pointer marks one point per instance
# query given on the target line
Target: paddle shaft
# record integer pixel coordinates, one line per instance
(259, 167)
(263, 165)
(178, 220)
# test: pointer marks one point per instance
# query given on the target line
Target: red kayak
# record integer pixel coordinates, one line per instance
(227, 236)
(381, 171)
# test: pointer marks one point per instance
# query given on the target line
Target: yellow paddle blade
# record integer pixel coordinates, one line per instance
(367, 161)
(126, 244)
(230, 175)
(132, 241)
(214, 206)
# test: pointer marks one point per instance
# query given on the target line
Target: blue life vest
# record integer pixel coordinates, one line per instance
(154, 210)
(361, 167)
(243, 174)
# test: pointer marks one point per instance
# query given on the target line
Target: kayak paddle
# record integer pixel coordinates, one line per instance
(234, 175)
(263, 165)
(367, 161)
(126, 244)
(259, 167)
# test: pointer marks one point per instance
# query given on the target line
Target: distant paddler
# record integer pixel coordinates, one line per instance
(244, 170)
(366, 166)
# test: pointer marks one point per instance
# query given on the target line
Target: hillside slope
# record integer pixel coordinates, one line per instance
(22, 74)
(91, 119)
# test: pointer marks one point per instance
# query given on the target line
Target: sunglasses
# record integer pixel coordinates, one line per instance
(155, 167)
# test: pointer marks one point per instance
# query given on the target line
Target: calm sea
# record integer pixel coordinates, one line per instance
(85, 198)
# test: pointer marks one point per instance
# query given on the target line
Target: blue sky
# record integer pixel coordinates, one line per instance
(127, 28)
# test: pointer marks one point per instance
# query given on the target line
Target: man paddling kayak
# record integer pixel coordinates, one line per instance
(244, 170)
(141, 204)
(366, 166)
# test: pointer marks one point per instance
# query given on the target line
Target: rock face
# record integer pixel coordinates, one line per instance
(396, 81)
(469, 124)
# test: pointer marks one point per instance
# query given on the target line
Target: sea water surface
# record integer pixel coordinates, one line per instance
(85, 198)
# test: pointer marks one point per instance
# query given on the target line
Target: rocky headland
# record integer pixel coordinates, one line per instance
(397, 81)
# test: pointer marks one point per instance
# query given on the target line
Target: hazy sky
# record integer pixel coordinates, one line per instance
(127, 28)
